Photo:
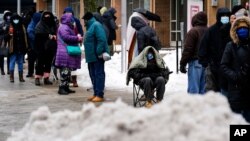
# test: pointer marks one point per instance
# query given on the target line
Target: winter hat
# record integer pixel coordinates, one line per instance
(68, 10)
(103, 10)
(87, 16)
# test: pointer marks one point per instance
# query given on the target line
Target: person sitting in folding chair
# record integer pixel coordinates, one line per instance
(149, 72)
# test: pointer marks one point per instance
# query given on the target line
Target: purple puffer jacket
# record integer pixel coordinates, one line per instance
(66, 35)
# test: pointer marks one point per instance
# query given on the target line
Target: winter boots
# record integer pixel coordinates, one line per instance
(12, 76)
(62, 90)
(37, 82)
(74, 80)
(21, 76)
(46, 81)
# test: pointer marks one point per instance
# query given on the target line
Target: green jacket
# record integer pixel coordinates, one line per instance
(95, 41)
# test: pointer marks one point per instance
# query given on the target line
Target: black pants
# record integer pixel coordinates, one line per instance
(31, 62)
(2, 63)
(148, 86)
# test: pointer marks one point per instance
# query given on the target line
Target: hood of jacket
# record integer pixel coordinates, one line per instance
(16, 16)
(112, 11)
(236, 25)
(5, 14)
(140, 61)
(138, 23)
(200, 19)
(221, 12)
(36, 17)
(66, 19)
(68, 9)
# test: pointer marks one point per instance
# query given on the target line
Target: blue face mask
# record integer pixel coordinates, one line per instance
(242, 33)
(224, 19)
(150, 56)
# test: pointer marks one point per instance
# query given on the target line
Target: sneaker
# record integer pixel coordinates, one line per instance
(148, 104)
(98, 99)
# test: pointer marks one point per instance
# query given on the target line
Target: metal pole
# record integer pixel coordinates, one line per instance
(54, 7)
(123, 35)
(19, 7)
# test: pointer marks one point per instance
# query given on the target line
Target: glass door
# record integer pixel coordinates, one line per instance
(176, 14)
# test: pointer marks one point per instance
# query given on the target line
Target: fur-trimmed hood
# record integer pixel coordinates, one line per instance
(236, 25)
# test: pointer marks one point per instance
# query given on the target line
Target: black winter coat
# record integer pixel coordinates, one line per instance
(234, 60)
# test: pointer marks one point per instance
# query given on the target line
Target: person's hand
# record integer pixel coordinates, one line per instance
(183, 69)
(80, 38)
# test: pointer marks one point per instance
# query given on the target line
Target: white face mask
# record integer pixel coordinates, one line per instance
(16, 21)
(224, 19)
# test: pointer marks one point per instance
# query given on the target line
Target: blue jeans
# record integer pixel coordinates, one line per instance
(16, 57)
(196, 78)
(97, 75)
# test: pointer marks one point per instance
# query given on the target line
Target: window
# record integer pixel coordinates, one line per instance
(75, 4)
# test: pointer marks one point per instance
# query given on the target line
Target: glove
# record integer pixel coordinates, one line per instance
(245, 70)
(183, 69)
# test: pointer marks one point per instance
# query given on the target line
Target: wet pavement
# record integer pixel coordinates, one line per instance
(18, 100)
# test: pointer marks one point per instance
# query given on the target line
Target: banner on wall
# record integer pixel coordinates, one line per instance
(193, 7)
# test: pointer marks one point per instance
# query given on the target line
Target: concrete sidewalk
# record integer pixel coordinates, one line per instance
(18, 100)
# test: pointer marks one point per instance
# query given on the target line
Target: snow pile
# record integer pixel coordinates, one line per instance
(181, 117)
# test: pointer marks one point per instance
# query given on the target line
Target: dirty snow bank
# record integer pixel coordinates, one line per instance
(181, 117)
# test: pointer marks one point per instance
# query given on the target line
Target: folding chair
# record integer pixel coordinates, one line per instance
(139, 98)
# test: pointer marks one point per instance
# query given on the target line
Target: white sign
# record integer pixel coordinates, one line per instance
(193, 7)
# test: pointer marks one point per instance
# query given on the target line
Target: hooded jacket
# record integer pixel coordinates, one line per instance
(193, 38)
(66, 36)
(146, 35)
(42, 31)
(212, 47)
(109, 19)
(18, 41)
(235, 65)
(31, 27)
(139, 67)
(4, 28)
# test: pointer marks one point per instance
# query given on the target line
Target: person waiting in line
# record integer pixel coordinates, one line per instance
(148, 70)
(196, 73)
(65, 62)
(18, 46)
(235, 65)
(31, 34)
(95, 44)
(78, 29)
(109, 19)
(145, 35)
(45, 47)
(5, 39)
(211, 50)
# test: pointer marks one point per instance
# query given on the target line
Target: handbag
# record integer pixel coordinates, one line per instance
(4, 50)
(73, 50)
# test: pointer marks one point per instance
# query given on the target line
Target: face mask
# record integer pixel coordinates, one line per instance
(242, 33)
(16, 21)
(8, 17)
(224, 19)
(150, 56)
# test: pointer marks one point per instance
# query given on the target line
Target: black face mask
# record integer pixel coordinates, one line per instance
(48, 21)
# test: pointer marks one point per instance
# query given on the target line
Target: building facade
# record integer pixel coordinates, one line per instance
(175, 14)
